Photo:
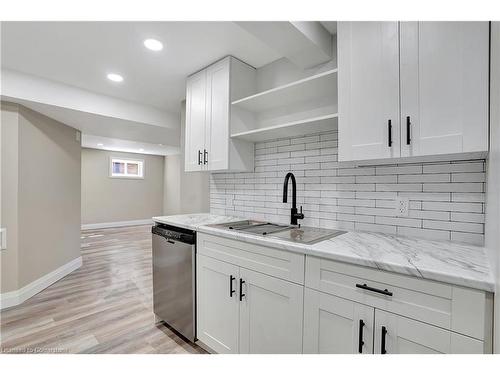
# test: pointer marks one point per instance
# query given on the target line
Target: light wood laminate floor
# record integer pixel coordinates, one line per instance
(103, 307)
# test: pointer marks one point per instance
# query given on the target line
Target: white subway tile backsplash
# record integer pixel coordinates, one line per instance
(467, 217)
(455, 187)
(468, 177)
(446, 198)
(476, 166)
(453, 206)
(467, 197)
(407, 169)
(429, 234)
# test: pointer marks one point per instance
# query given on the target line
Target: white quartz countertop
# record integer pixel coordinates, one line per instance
(443, 261)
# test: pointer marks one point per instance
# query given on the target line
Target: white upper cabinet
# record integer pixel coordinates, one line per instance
(444, 87)
(368, 81)
(429, 78)
(217, 139)
(209, 93)
(196, 117)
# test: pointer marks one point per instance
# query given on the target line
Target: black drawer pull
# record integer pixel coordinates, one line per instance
(231, 290)
(360, 337)
(241, 289)
(199, 157)
(408, 124)
(382, 341)
(366, 287)
(389, 130)
(205, 156)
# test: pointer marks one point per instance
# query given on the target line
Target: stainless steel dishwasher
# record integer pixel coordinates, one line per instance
(174, 278)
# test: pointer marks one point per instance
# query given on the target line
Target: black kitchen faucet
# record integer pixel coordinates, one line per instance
(294, 214)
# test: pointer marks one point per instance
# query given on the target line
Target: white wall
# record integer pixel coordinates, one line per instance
(493, 174)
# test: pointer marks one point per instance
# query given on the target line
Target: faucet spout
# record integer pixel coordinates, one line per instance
(294, 216)
(288, 176)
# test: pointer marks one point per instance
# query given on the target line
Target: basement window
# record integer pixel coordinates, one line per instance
(126, 168)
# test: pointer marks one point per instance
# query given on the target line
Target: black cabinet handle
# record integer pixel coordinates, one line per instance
(382, 341)
(205, 156)
(199, 157)
(360, 337)
(389, 130)
(231, 290)
(408, 124)
(241, 289)
(366, 287)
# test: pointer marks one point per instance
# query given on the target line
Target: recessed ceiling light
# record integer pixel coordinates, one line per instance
(141, 149)
(100, 144)
(115, 77)
(160, 144)
(153, 44)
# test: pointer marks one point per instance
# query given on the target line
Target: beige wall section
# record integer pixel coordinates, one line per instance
(40, 193)
(172, 192)
(9, 149)
(109, 200)
(185, 192)
(492, 239)
(49, 195)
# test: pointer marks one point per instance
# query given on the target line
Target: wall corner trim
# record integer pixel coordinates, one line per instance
(18, 296)
(117, 224)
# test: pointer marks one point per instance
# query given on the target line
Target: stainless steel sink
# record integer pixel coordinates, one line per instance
(254, 227)
(305, 235)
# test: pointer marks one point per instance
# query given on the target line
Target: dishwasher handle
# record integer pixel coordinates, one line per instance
(172, 235)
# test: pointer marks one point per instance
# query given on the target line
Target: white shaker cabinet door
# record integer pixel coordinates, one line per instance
(368, 84)
(444, 87)
(217, 304)
(395, 334)
(217, 153)
(334, 325)
(270, 315)
(196, 120)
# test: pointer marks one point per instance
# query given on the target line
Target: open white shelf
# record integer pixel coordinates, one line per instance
(290, 129)
(316, 86)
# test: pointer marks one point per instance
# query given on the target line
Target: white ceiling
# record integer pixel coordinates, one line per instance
(82, 53)
(122, 145)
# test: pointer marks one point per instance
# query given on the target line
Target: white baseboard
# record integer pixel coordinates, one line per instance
(17, 297)
(117, 224)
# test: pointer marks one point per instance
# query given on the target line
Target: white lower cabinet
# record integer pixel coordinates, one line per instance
(217, 306)
(334, 325)
(271, 313)
(256, 299)
(396, 334)
(243, 311)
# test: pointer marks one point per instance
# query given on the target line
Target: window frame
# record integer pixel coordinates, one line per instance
(140, 163)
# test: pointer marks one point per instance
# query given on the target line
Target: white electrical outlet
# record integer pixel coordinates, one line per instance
(402, 206)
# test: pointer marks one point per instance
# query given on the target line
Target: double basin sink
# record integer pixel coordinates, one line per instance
(304, 235)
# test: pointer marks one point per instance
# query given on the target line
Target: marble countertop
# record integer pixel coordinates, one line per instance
(443, 261)
(194, 221)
